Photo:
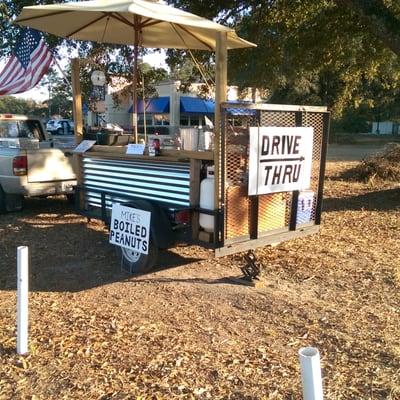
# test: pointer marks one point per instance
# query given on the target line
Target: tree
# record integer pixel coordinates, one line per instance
(327, 52)
(148, 78)
(319, 51)
(14, 105)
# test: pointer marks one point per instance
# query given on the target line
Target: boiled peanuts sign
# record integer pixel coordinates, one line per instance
(280, 159)
(130, 228)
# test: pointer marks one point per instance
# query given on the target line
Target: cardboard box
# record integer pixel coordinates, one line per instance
(305, 206)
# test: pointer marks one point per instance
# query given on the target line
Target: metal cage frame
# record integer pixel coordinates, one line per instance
(254, 221)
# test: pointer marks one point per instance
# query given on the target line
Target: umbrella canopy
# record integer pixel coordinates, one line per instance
(152, 24)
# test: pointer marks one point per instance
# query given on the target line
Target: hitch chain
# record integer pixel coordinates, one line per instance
(251, 270)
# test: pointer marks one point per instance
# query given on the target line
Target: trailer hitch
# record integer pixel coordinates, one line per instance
(251, 270)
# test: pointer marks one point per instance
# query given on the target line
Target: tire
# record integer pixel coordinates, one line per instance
(137, 263)
(70, 198)
(10, 202)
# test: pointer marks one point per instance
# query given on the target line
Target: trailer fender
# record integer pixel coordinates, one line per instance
(161, 231)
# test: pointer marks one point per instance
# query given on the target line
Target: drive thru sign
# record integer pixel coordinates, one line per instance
(130, 228)
(280, 159)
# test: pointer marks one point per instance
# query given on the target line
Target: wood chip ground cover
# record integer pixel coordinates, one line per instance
(190, 331)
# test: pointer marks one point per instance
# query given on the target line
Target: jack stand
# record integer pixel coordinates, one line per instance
(251, 270)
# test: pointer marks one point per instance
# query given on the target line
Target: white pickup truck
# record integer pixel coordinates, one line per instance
(31, 163)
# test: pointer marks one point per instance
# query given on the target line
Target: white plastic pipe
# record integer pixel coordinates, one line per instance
(22, 299)
(310, 373)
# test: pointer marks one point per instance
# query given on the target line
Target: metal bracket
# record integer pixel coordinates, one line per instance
(251, 270)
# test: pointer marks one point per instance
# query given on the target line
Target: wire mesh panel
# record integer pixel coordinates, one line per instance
(257, 216)
(237, 212)
(272, 212)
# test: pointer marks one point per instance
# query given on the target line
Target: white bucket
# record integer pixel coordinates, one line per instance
(205, 140)
(189, 138)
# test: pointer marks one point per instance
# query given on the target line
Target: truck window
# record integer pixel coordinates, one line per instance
(20, 129)
(35, 128)
(9, 129)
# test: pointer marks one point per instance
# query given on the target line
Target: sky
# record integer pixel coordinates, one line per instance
(41, 93)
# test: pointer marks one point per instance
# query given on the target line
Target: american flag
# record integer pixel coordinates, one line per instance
(28, 64)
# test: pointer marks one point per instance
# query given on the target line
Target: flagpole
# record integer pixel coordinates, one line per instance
(60, 69)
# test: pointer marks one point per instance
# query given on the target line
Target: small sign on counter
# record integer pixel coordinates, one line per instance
(135, 148)
(84, 146)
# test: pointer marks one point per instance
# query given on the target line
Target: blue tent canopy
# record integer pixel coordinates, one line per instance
(189, 105)
(156, 105)
(195, 105)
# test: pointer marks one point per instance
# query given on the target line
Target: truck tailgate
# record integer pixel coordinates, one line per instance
(50, 164)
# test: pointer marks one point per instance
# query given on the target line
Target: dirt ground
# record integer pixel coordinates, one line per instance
(189, 330)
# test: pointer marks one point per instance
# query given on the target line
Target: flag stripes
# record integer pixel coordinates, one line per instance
(28, 64)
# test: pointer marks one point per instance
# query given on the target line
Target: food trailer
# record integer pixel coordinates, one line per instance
(261, 182)
(266, 191)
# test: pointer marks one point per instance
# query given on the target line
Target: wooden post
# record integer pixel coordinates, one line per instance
(77, 101)
(135, 80)
(221, 77)
(78, 117)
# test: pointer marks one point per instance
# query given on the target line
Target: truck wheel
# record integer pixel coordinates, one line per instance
(137, 263)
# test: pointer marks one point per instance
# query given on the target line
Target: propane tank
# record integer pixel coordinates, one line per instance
(207, 200)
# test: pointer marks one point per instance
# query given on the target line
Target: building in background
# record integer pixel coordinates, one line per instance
(166, 113)
(385, 128)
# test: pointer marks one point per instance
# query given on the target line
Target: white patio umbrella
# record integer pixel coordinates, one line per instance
(146, 23)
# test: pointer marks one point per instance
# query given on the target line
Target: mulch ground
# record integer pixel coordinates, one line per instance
(188, 330)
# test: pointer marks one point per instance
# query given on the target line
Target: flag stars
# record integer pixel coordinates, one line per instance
(26, 45)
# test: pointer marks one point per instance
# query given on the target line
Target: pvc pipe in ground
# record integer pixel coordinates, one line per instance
(22, 299)
(311, 373)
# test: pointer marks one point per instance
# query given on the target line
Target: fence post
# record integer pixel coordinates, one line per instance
(22, 299)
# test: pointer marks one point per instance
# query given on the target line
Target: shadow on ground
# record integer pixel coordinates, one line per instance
(66, 253)
(383, 200)
(232, 280)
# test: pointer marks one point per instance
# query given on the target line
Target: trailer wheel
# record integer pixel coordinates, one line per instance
(137, 263)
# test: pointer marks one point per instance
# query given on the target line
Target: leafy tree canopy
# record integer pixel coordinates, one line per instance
(326, 52)
(16, 105)
(340, 53)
